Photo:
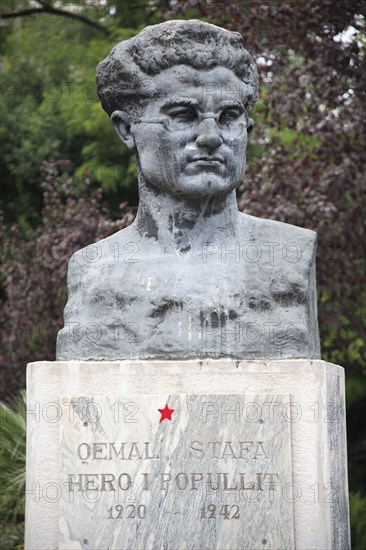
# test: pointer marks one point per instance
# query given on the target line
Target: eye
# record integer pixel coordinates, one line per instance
(229, 115)
(183, 114)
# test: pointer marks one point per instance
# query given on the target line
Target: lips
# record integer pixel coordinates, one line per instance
(203, 158)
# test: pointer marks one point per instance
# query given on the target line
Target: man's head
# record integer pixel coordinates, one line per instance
(123, 77)
(181, 93)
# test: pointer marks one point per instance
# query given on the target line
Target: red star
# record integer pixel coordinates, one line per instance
(166, 413)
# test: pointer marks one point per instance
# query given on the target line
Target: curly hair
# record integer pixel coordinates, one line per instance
(123, 78)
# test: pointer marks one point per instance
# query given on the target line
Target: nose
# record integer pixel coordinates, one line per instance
(208, 134)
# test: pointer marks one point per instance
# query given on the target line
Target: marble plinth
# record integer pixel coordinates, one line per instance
(185, 455)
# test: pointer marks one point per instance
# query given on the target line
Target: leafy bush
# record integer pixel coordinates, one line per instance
(358, 521)
(35, 266)
(12, 472)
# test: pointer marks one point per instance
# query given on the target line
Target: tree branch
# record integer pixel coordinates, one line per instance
(55, 11)
(21, 13)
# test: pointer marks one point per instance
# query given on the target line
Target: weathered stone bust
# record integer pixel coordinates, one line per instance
(192, 276)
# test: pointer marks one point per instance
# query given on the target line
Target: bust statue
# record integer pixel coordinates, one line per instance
(192, 277)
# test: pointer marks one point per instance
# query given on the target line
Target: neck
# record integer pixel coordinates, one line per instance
(178, 223)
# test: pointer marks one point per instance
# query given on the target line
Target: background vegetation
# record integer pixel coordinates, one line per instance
(66, 180)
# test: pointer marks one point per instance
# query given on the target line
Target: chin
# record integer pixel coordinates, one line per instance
(207, 186)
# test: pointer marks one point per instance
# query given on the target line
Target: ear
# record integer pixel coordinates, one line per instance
(250, 125)
(122, 124)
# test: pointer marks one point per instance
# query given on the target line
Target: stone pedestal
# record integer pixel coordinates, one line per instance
(215, 454)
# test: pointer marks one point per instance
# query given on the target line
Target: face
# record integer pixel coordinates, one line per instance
(191, 140)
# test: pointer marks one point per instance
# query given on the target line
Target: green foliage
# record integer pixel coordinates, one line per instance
(299, 143)
(343, 342)
(34, 267)
(355, 388)
(49, 110)
(358, 521)
(12, 472)
(12, 536)
(353, 350)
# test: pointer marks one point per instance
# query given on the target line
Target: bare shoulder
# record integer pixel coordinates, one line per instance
(263, 227)
(287, 245)
(105, 250)
(271, 231)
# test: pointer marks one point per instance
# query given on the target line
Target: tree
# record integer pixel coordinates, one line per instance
(49, 109)
(12, 471)
(35, 265)
(47, 7)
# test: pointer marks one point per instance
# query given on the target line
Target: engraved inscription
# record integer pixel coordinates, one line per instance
(209, 471)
